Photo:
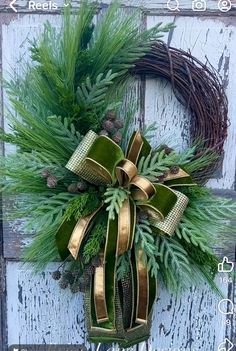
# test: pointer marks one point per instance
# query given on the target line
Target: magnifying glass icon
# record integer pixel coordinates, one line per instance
(173, 5)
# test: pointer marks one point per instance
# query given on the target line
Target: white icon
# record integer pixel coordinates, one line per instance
(226, 306)
(225, 266)
(223, 347)
(66, 4)
(11, 5)
(199, 5)
(173, 5)
(224, 5)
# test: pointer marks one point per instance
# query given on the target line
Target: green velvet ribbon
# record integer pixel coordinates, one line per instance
(99, 166)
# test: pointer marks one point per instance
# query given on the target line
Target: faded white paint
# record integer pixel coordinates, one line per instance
(38, 312)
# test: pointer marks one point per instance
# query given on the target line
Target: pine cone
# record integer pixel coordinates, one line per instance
(174, 170)
(82, 186)
(72, 188)
(108, 125)
(111, 115)
(51, 181)
(160, 179)
(75, 288)
(45, 173)
(104, 132)
(117, 137)
(165, 174)
(168, 150)
(56, 275)
(96, 262)
(63, 284)
(89, 270)
(67, 276)
(119, 124)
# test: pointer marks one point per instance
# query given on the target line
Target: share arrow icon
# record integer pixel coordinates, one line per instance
(11, 5)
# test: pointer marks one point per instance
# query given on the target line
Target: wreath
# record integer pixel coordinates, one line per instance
(120, 213)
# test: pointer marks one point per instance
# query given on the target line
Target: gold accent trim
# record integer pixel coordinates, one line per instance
(145, 188)
(100, 295)
(142, 291)
(124, 228)
(78, 234)
(135, 148)
(180, 174)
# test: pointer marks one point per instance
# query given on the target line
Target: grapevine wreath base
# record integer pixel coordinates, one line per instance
(121, 214)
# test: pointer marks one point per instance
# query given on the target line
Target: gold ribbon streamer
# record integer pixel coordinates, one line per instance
(143, 290)
(100, 294)
(141, 190)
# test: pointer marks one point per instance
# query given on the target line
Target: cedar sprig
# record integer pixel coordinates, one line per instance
(93, 245)
(123, 265)
(114, 198)
(144, 239)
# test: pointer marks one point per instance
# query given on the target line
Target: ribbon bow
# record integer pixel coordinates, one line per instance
(100, 161)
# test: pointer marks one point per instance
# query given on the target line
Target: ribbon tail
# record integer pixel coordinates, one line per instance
(142, 290)
(104, 283)
(79, 233)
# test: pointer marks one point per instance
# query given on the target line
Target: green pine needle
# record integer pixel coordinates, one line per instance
(114, 198)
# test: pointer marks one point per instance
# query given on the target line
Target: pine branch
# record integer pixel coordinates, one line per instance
(144, 239)
(93, 245)
(155, 164)
(114, 198)
(192, 234)
(92, 96)
(175, 259)
(123, 265)
(44, 212)
(82, 205)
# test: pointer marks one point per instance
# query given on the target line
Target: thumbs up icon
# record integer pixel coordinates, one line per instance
(225, 266)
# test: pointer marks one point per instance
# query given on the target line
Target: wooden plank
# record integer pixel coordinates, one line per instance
(3, 328)
(150, 6)
(39, 312)
(209, 39)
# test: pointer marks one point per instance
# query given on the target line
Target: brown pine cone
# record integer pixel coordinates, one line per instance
(63, 284)
(45, 173)
(168, 150)
(89, 270)
(96, 262)
(56, 275)
(104, 132)
(165, 174)
(111, 115)
(72, 188)
(67, 276)
(82, 185)
(160, 179)
(117, 137)
(51, 182)
(174, 170)
(108, 125)
(119, 124)
(75, 288)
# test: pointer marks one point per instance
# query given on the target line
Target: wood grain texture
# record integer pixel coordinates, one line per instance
(38, 312)
(208, 40)
(150, 6)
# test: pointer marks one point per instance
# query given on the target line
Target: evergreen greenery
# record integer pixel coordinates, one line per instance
(123, 265)
(77, 74)
(144, 238)
(114, 198)
(93, 245)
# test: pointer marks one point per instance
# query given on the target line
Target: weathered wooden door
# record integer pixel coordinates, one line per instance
(33, 309)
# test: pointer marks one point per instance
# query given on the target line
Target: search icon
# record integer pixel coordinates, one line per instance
(173, 5)
(226, 306)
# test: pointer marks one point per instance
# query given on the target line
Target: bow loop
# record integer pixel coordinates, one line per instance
(100, 161)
